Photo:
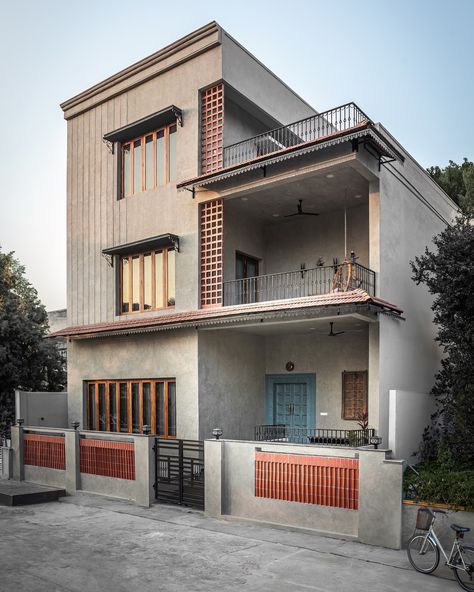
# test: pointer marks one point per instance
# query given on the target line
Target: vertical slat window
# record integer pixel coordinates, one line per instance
(172, 154)
(171, 288)
(125, 285)
(160, 157)
(91, 407)
(171, 409)
(135, 405)
(354, 394)
(149, 161)
(135, 283)
(137, 166)
(159, 279)
(147, 403)
(123, 407)
(127, 406)
(113, 407)
(126, 177)
(160, 408)
(147, 279)
(102, 421)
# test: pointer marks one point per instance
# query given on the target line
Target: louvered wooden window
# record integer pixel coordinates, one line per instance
(354, 394)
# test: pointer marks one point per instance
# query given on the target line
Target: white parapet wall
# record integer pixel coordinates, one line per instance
(409, 414)
(42, 408)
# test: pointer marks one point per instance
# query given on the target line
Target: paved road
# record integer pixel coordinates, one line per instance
(91, 544)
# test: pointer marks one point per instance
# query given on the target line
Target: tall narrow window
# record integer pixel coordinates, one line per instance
(172, 154)
(354, 394)
(149, 161)
(137, 166)
(148, 281)
(128, 405)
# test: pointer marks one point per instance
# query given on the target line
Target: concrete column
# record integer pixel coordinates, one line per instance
(73, 468)
(144, 470)
(374, 383)
(380, 499)
(7, 462)
(17, 447)
(374, 231)
(214, 473)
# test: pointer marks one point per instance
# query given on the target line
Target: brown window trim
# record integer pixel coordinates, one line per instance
(128, 382)
(166, 162)
(169, 300)
(363, 404)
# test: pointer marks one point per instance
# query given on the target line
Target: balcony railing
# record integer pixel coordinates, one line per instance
(327, 437)
(297, 284)
(322, 125)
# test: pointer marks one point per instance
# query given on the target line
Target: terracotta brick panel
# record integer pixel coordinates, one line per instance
(212, 231)
(109, 459)
(324, 481)
(44, 451)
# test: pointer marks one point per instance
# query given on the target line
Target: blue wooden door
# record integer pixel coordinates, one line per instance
(291, 400)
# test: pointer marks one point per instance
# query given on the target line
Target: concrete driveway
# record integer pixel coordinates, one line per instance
(92, 544)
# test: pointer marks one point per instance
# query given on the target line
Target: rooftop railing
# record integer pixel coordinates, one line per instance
(298, 284)
(326, 124)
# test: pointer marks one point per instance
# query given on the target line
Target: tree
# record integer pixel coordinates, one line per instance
(28, 361)
(449, 275)
(458, 182)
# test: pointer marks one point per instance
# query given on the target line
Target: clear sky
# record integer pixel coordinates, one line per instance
(408, 64)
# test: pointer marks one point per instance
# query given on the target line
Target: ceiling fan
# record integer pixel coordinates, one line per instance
(299, 211)
(333, 333)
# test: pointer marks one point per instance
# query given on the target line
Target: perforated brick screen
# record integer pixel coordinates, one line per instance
(44, 451)
(110, 459)
(212, 230)
(325, 481)
(212, 128)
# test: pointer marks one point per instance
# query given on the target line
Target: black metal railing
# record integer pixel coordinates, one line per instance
(328, 123)
(327, 437)
(297, 284)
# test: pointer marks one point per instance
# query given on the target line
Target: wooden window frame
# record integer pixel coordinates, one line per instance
(166, 172)
(129, 381)
(141, 302)
(365, 401)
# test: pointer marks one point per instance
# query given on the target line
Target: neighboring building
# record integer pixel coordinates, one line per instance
(201, 284)
(57, 320)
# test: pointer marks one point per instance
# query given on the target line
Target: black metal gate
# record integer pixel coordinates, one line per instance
(179, 472)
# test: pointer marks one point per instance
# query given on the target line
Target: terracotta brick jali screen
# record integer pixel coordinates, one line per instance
(109, 459)
(212, 230)
(325, 481)
(44, 451)
(212, 128)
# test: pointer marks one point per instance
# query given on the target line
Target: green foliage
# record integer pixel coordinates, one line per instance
(458, 182)
(27, 360)
(442, 481)
(448, 274)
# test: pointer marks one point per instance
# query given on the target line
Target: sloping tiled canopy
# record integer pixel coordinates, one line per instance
(147, 244)
(146, 124)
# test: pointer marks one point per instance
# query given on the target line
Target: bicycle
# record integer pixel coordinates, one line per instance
(424, 549)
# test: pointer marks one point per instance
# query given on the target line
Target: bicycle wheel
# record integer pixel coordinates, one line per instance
(464, 577)
(423, 554)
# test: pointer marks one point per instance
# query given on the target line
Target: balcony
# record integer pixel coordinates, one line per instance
(344, 277)
(322, 437)
(327, 124)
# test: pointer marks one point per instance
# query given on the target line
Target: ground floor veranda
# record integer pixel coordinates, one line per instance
(304, 374)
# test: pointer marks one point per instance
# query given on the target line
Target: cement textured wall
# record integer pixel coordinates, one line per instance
(158, 355)
(42, 408)
(230, 490)
(410, 413)
(231, 383)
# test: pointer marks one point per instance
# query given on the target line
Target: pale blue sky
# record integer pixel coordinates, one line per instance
(407, 64)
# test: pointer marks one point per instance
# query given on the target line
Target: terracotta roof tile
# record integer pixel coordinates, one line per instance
(223, 312)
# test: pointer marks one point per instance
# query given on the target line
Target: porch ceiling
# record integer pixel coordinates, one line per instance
(321, 192)
(353, 324)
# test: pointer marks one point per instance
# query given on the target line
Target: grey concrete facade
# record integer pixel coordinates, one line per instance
(386, 215)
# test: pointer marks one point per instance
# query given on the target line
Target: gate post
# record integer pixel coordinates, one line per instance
(144, 470)
(181, 472)
(214, 455)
